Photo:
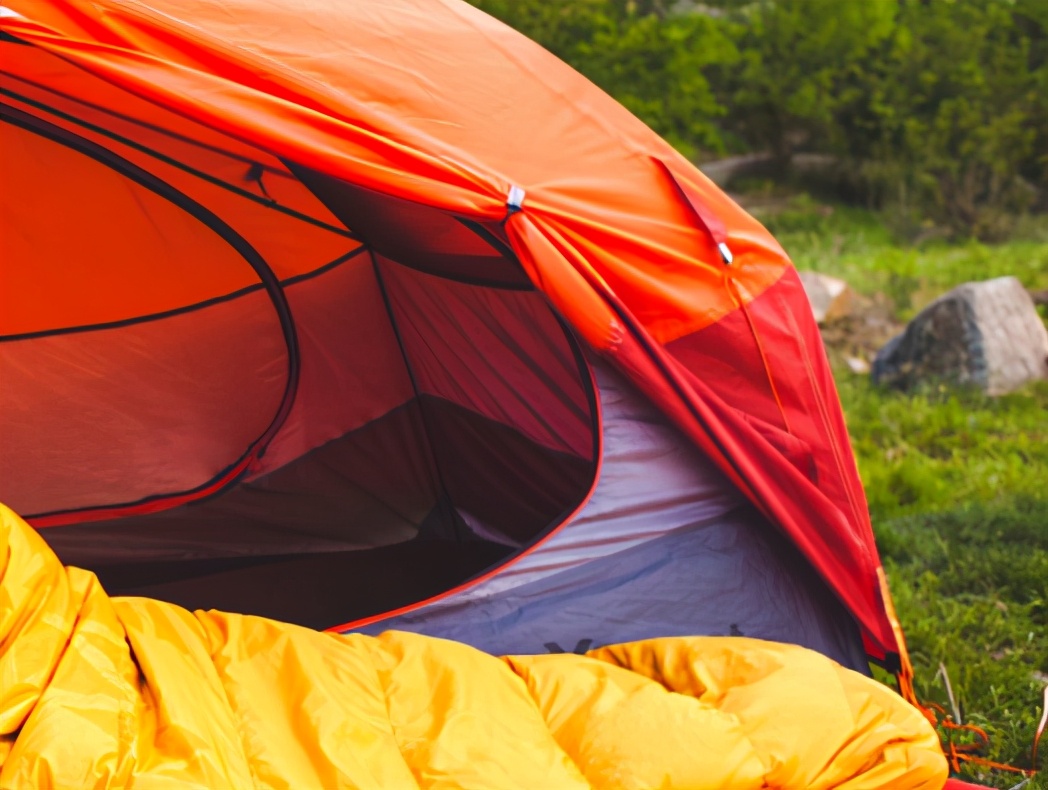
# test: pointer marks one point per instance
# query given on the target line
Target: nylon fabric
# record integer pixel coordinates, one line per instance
(111, 416)
(465, 144)
(728, 577)
(222, 181)
(626, 259)
(499, 353)
(107, 692)
(652, 482)
(95, 242)
(352, 369)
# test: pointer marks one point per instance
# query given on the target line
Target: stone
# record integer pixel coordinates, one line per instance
(983, 334)
(857, 365)
(829, 297)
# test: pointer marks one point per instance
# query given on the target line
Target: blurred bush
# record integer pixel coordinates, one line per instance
(937, 110)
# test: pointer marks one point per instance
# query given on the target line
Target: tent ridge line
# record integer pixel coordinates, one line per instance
(443, 494)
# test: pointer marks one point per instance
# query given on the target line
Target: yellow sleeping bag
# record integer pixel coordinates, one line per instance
(100, 692)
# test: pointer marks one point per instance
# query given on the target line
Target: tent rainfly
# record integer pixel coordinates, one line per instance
(375, 315)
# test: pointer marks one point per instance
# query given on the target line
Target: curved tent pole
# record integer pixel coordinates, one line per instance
(269, 280)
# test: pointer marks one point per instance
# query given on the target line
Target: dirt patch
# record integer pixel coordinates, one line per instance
(860, 335)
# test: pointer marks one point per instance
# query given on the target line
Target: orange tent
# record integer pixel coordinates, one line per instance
(375, 314)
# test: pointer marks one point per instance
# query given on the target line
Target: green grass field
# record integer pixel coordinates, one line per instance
(957, 482)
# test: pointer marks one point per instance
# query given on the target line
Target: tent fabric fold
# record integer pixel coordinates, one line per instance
(100, 692)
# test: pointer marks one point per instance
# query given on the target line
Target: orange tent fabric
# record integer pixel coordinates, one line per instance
(437, 105)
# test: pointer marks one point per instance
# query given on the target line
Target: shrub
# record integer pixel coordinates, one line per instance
(935, 108)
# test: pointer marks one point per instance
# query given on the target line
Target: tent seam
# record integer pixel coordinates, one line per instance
(443, 495)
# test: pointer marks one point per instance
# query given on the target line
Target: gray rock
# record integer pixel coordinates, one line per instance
(983, 334)
(857, 365)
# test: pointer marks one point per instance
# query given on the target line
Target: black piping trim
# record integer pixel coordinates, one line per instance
(144, 319)
(479, 282)
(444, 499)
(300, 278)
(498, 244)
(269, 280)
(7, 38)
(191, 308)
(151, 127)
(176, 164)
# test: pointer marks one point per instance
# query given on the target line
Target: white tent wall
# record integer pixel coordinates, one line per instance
(665, 546)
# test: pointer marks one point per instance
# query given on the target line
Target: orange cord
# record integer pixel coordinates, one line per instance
(938, 717)
(957, 753)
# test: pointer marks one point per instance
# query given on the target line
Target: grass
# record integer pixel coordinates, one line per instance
(925, 452)
(860, 247)
(957, 490)
(957, 482)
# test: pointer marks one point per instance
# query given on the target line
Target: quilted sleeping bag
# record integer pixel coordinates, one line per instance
(101, 692)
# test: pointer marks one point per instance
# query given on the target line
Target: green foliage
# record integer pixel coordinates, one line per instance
(802, 60)
(653, 61)
(950, 105)
(936, 107)
(939, 109)
(856, 245)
